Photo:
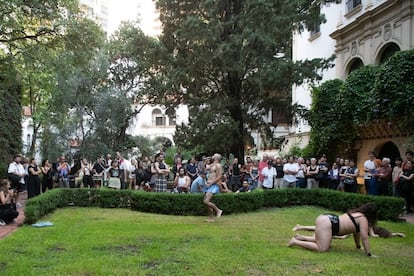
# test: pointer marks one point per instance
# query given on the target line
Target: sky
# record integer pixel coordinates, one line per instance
(122, 10)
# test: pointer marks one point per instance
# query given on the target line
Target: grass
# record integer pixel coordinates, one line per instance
(93, 241)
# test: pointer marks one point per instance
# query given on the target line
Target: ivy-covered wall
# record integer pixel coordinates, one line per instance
(369, 95)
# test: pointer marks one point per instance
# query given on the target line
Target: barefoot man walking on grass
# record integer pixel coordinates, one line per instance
(214, 178)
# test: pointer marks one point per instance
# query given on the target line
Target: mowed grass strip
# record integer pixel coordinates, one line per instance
(93, 241)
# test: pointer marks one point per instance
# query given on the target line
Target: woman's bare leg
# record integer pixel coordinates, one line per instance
(305, 238)
(299, 227)
(305, 244)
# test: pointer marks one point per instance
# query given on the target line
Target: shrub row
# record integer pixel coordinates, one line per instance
(191, 204)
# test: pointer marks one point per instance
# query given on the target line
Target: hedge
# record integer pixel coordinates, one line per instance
(192, 204)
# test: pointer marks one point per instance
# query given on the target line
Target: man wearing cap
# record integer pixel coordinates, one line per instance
(16, 174)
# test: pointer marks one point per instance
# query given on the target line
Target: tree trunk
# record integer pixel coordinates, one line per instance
(236, 113)
(32, 148)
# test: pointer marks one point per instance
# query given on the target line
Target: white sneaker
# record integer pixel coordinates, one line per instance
(18, 204)
(2, 222)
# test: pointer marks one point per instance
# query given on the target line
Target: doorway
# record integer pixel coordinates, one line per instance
(389, 150)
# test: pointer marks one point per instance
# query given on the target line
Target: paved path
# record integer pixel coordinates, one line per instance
(10, 228)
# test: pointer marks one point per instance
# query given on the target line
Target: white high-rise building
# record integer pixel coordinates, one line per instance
(98, 10)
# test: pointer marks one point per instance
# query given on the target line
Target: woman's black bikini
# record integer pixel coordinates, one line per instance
(354, 222)
(335, 223)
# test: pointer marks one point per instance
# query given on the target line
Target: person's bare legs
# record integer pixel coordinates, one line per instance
(211, 206)
(299, 227)
(305, 238)
(322, 239)
(305, 244)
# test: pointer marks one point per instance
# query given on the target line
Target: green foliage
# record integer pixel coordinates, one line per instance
(393, 93)
(230, 61)
(356, 99)
(11, 113)
(325, 117)
(369, 94)
(191, 204)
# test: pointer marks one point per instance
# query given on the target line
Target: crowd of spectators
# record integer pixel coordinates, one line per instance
(152, 174)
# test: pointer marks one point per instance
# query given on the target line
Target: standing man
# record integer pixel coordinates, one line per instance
(235, 183)
(369, 168)
(213, 184)
(16, 174)
(290, 170)
(323, 172)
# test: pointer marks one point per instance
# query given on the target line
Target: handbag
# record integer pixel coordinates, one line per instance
(349, 181)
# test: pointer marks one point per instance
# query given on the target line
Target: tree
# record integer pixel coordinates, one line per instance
(230, 61)
(10, 115)
(135, 59)
(26, 22)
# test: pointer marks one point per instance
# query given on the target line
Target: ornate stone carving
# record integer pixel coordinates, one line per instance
(387, 32)
(354, 48)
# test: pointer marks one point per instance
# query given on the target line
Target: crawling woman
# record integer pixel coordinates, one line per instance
(356, 221)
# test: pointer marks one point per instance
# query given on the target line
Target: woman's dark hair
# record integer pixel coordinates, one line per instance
(44, 162)
(369, 210)
(182, 168)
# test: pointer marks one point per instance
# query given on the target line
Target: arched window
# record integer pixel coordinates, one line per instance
(354, 64)
(158, 118)
(387, 51)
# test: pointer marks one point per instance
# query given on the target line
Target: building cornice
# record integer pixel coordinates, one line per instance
(366, 18)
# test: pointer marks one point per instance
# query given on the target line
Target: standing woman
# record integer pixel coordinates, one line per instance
(140, 176)
(351, 174)
(87, 178)
(254, 174)
(162, 172)
(34, 181)
(47, 180)
(132, 179)
(405, 186)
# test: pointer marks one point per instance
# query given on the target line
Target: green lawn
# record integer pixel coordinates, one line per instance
(93, 241)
